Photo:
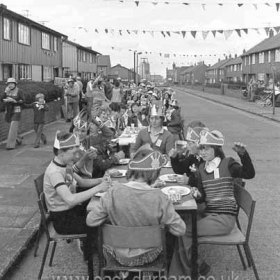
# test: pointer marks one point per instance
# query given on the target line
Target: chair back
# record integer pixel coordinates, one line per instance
(133, 237)
(247, 204)
(39, 184)
(44, 213)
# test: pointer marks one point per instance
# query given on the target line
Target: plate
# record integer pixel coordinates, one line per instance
(172, 178)
(117, 173)
(124, 161)
(174, 189)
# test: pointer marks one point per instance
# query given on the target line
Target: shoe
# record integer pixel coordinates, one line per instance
(36, 146)
(19, 141)
(10, 148)
(45, 141)
(80, 244)
(204, 269)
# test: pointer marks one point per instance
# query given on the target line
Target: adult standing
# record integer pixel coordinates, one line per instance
(81, 94)
(72, 92)
(117, 93)
(13, 98)
(108, 88)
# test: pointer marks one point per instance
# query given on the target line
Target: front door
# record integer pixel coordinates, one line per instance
(7, 71)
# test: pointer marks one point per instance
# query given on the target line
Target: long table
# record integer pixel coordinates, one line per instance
(186, 206)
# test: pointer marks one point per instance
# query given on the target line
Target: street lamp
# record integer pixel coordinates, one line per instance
(136, 66)
(273, 68)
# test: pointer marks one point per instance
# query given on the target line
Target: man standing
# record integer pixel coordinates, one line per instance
(71, 94)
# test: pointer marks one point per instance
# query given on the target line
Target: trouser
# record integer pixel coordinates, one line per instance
(72, 110)
(209, 225)
(38, 127)
(13, 135)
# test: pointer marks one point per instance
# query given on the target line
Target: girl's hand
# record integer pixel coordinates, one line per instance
(195, 193)
(239, 147)
(172, 153)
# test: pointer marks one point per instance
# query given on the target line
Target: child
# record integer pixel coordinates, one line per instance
(39, 108)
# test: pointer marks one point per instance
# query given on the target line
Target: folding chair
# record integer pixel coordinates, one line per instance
(237, 237)
(133, 237)
(52, 235)
(39, 182)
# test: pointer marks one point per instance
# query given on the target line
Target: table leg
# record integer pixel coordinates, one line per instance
(89, 255)
(194, 245)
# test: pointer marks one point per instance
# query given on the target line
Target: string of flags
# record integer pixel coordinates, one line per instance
(204, 33)
(203, 4)
(169, 55)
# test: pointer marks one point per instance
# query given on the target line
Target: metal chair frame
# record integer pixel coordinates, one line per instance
(133, 237)
(52, 235)
(247, 204)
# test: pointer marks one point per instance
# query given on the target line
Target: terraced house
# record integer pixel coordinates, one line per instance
(234, 70)
(217, 72)
(259, 62)
(28, 50)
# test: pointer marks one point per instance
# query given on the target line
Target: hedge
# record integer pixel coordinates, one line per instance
(30, 89)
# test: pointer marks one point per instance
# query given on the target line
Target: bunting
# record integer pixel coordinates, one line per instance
(204, 34)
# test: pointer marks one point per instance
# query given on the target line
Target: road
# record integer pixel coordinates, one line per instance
(262, 139)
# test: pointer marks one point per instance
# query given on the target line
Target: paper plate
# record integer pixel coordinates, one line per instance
(124, 161)
(176, 189)
(121, 173)
(172, 178)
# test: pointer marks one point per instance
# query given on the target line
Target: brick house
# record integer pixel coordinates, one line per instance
(234, 70)
(119, 71)
(259, 61)
(217, 72)
(194, 74)
(28, 50)
(78, 59)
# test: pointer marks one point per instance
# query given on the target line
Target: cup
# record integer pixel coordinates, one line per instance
(132, 128)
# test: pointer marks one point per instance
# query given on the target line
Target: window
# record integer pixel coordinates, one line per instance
(245, 60)
(261, 57)
(277, 55)
(55, 44)
(235, 67)
(91, 58)
(47, 73)
(46, 41)
(269, 56)
(24, 71)
(7, 34)
(84, 56)
(23, 34)
(253, 59)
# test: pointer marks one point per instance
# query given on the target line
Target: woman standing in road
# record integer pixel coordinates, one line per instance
(13, 98)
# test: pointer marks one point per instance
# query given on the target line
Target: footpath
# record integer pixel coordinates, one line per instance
(19, 214)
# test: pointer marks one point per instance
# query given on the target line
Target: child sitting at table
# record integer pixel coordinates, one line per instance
(215, 184)
(135, 204)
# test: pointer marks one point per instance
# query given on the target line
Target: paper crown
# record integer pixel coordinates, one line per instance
(193, 134)
(214, 138)
(152, 161)
(174, 102)
(80, 120)
(156, 111)
(70, 142)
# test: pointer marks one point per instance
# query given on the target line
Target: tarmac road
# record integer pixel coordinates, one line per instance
(262, 139)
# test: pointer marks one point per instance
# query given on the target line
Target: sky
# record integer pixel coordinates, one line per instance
(80, 19)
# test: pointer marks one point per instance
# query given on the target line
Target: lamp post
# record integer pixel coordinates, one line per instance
(273, 68)
(136, 66)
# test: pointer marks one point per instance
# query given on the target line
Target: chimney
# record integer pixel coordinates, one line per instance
(270, 33)
(219, 60)
(229, 56)
(235, 56)
(244, 51)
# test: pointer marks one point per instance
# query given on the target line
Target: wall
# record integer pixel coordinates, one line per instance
(27, 119)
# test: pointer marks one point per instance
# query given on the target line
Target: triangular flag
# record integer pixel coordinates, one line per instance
(168, 33)
(120, 31)
(277, 6)
(239, 5)
(267, 4)
(220, 4)
(183, 33)
(203, 7)
(152, 33)
(166, 3)
(193, 33)
(174, 54)
(238, 31)
(257, 30)
(160, 54)
(112, 31)
(155, 3)
(96, 30)
(186, 4)
(277, 28)
(106, 30)
(144, 32)
(204, 34)
(137, 3)
(135, 31)
(227, 33)
(267, 30)
(245, 30)
(220, 31)
(162, 33)
(128, 31)
(256, 6)
(214, 32)
(176, 32)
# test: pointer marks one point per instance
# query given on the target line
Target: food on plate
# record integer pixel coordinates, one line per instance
(176, 191)
(115, 173)
(159, 184)
(172, 177)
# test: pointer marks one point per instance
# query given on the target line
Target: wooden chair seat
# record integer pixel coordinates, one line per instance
(56, 236)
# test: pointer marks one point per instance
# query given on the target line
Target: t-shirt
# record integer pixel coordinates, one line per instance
(55, 176)
(116, 95)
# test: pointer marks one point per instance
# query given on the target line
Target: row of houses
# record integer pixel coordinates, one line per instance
(32, 51)
(261, 62)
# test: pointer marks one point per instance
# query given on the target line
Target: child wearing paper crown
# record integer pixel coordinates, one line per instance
(136, 203)
(215, 183)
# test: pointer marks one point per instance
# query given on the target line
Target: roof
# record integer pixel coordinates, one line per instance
(118, 65)
(267, 44)
(81, 47)
(220, 64)
(236, 60)
(193, 68)
(5, 12)
(103, 60)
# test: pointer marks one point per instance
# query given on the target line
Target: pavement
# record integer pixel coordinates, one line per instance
(19, 214)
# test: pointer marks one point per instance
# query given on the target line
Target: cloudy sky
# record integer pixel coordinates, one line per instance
(79, 19)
